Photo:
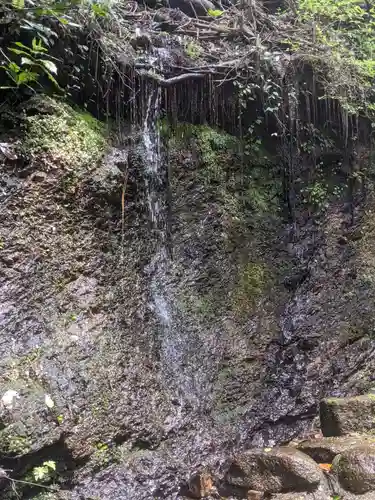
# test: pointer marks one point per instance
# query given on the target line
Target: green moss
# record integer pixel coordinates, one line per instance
(193, 50)
(215, 147)
(13, 443)
(103, 456)
(203, 305)
(253, 279)
(68, 137)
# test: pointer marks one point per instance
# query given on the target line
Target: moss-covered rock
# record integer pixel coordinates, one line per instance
(341, 416)
(62, 136)
(252, 283)
(30, 424)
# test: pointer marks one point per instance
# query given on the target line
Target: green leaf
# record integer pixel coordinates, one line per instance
(26, 61)
(25, 47)
(50, 464)
(37, 46)
(12, 66)
(53, 80)
(18, 4)
(39, 473)
(215, 12)
(99, 10)
(49, 65)
(26, 77)
(19, 52)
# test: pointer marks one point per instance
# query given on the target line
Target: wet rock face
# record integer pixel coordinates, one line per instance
(341, 416)
(355, 469)
(249, 356)
(273, 471)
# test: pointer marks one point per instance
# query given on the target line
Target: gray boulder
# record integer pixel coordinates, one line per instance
(274, 471)
(355, 469)
(343, 416)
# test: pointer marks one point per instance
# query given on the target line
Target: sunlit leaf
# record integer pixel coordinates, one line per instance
(50, 464)
(215, 12)
(38, 46)
(18, 4)
(50, 66)
(26, 61)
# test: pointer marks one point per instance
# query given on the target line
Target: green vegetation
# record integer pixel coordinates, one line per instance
(69, 138)
(104, 455)
(203, 306)
(193, 49)
(26, 65)
(253, 278)
(240, 170)
(341, 48)
(13, 442)
(216, 147)
(45, 472)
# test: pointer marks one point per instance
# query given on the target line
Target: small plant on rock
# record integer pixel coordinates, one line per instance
(44, 473)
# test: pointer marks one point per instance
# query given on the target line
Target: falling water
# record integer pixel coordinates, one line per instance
(154, 181)
(171, 340)
(184, 357)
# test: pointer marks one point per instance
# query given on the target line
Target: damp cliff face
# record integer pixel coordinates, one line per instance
(155, 294)
(185, 279)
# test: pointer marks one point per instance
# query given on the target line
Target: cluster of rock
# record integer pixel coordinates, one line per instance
(340, 465)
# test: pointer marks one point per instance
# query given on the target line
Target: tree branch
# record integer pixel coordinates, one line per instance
(175, 79)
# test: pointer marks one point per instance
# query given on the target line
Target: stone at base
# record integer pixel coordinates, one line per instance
(255, 495)
(274, 470)
(355, 469)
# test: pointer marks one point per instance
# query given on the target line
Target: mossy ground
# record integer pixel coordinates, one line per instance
(63, 135)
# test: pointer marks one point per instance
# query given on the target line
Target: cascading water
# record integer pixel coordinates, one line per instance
(171, 350)
(154, 181)
(183, 353)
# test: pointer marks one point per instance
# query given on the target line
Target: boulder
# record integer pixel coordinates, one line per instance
(355, 469)
(274, 470)
(343, 416)
(324, 450)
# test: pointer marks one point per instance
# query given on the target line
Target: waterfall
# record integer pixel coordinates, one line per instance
(183, 355)
(154, 182)
(161, 301)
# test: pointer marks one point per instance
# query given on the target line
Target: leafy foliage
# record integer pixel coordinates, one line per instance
(24, 64)
(343, 36)
(45, 472)
(33, 62)
(215, 12)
